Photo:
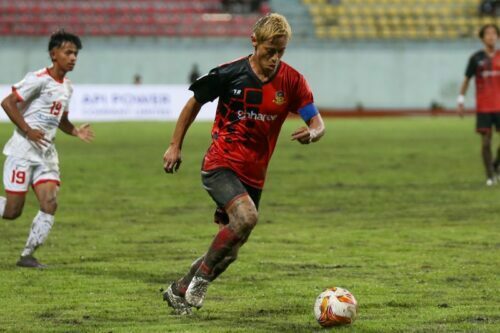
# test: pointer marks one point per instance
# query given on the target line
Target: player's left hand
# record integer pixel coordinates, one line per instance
(302, 135)
(85, 133)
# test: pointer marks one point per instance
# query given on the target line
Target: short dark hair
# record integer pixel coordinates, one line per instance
(483, 29)
(58, 38)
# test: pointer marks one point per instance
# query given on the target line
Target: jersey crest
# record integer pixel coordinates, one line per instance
(279, 98)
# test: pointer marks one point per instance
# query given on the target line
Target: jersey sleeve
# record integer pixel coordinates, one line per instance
(208, 87)
(28, 87)
(303, 95)
(471, 67)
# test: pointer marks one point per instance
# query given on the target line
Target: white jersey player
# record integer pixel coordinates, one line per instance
(38, 106)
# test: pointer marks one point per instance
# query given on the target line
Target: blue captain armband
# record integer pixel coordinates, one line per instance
(308, 112)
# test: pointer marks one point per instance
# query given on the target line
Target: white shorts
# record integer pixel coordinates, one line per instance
(19, 174)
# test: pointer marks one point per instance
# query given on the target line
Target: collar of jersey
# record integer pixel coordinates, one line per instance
(53, 78)
(254, 75)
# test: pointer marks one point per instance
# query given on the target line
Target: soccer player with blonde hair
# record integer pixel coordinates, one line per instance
(256, 93)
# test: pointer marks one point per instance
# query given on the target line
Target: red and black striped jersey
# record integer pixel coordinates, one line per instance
(486, 70)
(249, 115)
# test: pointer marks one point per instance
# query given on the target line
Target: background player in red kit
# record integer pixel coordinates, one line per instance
(256, 93)
(485, 66)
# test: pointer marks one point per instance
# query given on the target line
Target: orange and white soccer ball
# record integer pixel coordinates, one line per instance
(335, 307)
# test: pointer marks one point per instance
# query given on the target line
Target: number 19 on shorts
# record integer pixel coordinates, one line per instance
(18, 177)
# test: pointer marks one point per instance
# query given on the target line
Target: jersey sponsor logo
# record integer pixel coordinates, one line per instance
(236, 92)
(279, 98)
(256, 116)
(490, 73)
(48, 120)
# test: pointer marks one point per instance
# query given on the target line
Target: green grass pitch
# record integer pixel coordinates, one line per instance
(395, 210)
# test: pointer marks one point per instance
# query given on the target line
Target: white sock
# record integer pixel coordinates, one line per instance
(42, 223)
(3, 202)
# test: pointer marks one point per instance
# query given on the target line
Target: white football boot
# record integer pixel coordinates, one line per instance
(491, 181)
(195, 293)
(178, 303)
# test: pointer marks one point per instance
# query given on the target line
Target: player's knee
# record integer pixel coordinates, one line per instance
(12, 214)
(486, 142)
(243, 219)
(253, 218)
(486, 146)
(249, 220)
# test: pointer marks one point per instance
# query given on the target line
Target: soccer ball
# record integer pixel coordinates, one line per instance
(335, 307)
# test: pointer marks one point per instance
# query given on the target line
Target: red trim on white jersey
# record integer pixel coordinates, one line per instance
(16, 192)
(19, 97)
(47, 72)
(42, 73)
(43, 181)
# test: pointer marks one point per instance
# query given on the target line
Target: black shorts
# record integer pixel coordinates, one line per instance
(224, 186)
(486, 121)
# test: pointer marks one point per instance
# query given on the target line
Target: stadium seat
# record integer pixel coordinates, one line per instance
(396, 19)
(124, 17)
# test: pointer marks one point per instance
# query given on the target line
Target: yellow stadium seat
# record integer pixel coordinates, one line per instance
(321, 32)
(452, 34)
(412, 33)
(315, 2)
(315, 10)
(487, 20)
(396, 19)
(328, 10)
(358, 21)
(369, 21)
(367, 11)
(409, 22)
(344, 21)
(346, 34)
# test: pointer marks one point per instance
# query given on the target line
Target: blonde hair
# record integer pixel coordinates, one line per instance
(271, 26)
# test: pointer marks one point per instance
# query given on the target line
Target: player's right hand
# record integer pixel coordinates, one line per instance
(461, 110)
(172, 159)
(302, 135)
(38, 137)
